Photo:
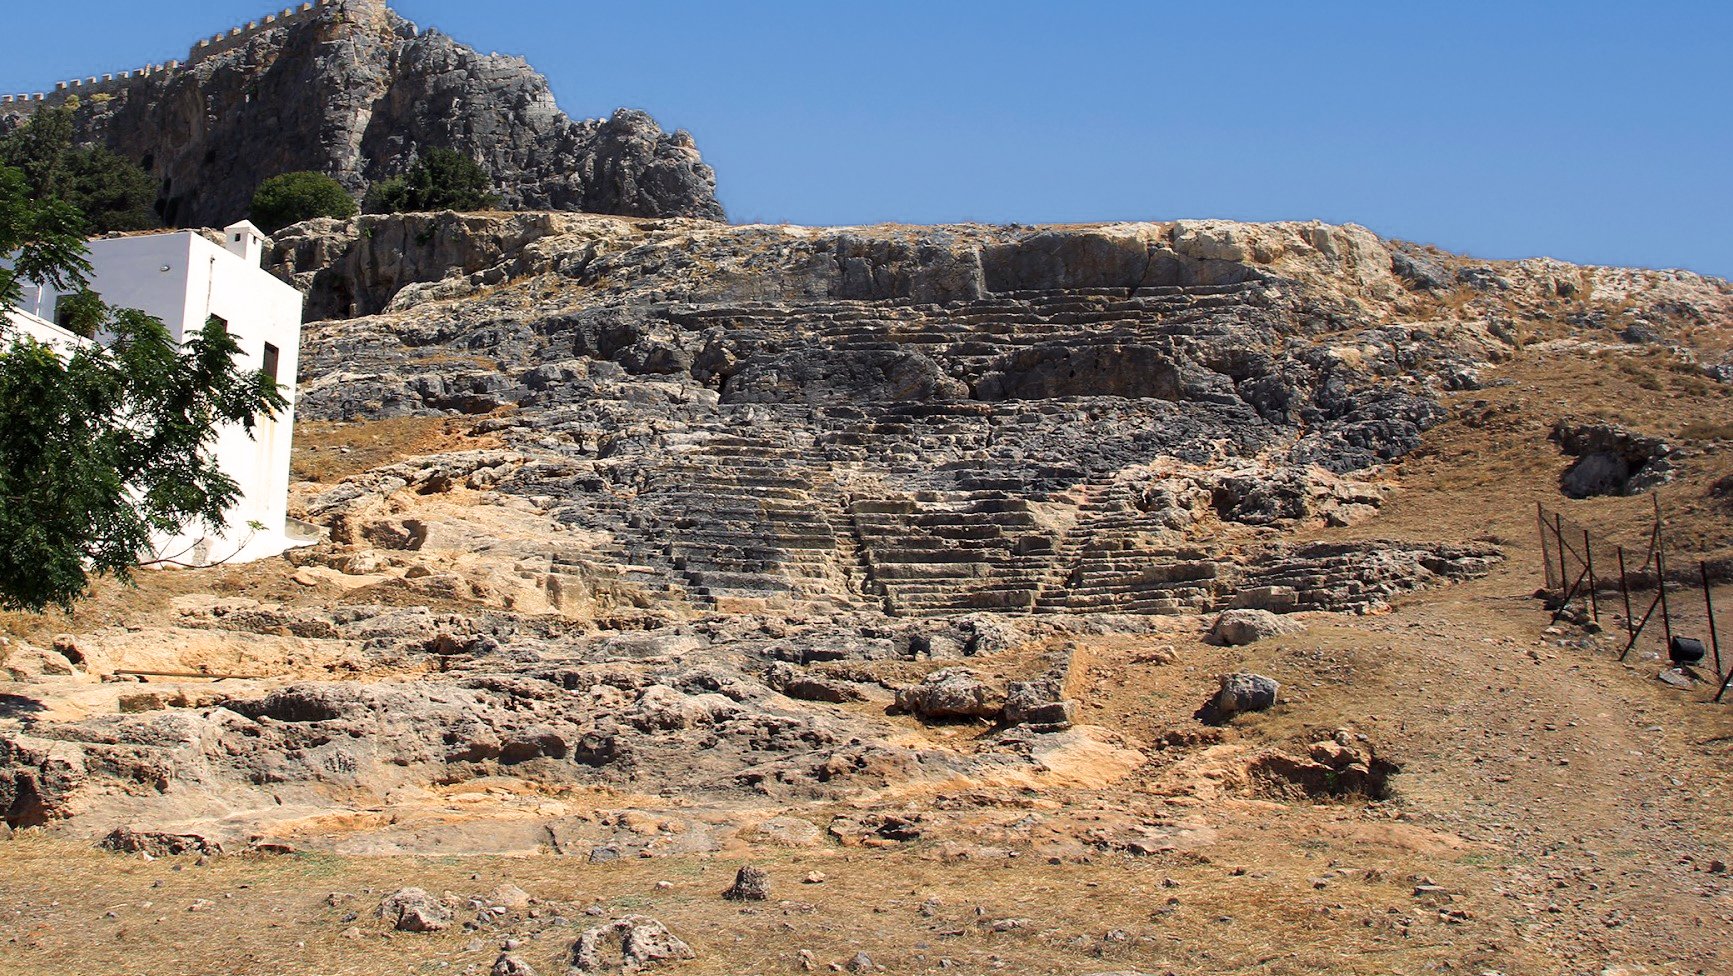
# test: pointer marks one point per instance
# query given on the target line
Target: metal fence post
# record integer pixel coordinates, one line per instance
(1709, 606)
(1546, 545)
(1625, 590)
(1564, 574)
(1661, 586)
(1589, 565)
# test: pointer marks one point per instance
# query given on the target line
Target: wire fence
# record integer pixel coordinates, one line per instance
(1588, 575)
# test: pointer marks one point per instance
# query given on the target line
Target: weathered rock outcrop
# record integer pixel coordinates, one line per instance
(925, 421)
(1612, 460)
(747, 514)
(354, 91)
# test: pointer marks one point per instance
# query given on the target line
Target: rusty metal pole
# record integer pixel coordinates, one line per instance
(1656, 498)
(1545, 550)
(1709, 607)
(1661, 585)
(1625, 589)
(1564, 574)
(1589, 564)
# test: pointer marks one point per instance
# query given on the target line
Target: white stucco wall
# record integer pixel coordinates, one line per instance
(16, 323)
(183, 279)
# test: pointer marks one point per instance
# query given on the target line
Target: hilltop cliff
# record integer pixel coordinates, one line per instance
(353, 90)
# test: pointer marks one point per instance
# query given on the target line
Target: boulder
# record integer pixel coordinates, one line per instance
(750, 884)
(510, 965)
(1612, 460)
(1236, 627)
(27, 662)
(1240, 692)
(951, 693)
(628, 945)
(509, 896)
(1038, 703)
(1345, 764)
(798, 683)
(414, 910)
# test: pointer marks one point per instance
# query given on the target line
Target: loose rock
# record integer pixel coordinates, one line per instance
(1240, 692)
(627, 945)
(1237, 627)
(951, 693)
(750, 884)
(510, 965)
(414, 910)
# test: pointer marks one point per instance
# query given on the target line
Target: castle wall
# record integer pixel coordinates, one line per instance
(112, 84)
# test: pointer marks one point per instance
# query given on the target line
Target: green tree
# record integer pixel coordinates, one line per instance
(441, 180)
(293, 197)
(103, 448)
(111, 192)
(44, 236)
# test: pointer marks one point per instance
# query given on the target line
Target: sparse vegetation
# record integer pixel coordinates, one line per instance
(111, 193)
(441, 180)
(293, 197)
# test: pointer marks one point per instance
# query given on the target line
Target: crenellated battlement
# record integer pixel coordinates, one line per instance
(110, 84)
(236, 36)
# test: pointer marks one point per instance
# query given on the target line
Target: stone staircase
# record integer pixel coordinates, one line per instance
(952, 552)
(845, 497)
(1115, 560)
(967, 337)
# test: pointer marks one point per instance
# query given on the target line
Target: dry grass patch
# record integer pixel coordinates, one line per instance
(911, 911)
(328, 451)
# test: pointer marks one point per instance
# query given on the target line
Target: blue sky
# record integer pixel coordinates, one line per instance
(1593, 131)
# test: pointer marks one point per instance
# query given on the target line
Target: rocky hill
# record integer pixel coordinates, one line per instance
(902, 559)
(355, 91)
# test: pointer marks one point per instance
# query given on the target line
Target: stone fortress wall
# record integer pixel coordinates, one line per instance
(110, 84)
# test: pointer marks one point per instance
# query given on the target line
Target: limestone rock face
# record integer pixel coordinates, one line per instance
(683, 508)
(1612, 460)
(356, 92)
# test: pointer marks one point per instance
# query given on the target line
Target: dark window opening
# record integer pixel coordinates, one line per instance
(237, 238)
(218, 321)
(271, 362)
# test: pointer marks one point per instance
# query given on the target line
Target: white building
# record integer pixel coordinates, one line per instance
(184, 279)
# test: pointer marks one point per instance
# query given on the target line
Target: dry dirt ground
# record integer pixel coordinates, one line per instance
(1558, 811)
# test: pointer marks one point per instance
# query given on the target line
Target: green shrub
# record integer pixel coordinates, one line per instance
(112, 193)
(293, 197)
(441, 180)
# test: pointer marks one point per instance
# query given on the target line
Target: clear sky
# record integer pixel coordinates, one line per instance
(1593, 131)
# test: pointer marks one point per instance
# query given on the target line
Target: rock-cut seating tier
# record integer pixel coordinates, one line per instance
(911, 457)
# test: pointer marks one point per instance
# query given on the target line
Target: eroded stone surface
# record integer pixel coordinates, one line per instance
(725, 494)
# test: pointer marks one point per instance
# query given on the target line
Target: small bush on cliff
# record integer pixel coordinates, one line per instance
(103, 448)
(294, 197)
(441, 180)
(110, 192)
